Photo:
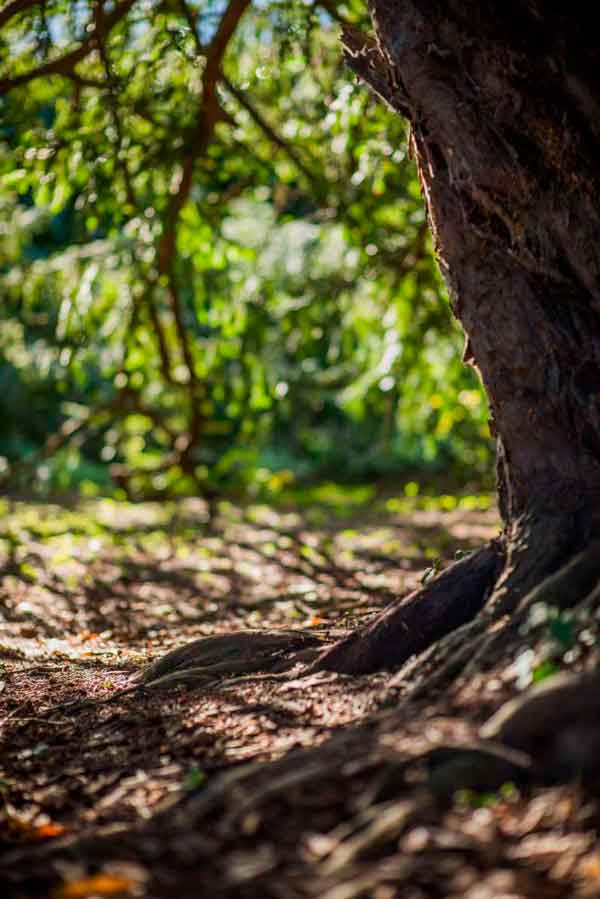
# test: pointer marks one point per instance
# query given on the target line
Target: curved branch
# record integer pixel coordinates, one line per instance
(9, 10)
(208, 115)
(64, 65)
(264, 126)
(206, 120)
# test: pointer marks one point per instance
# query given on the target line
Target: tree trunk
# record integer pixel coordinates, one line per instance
(503, 100)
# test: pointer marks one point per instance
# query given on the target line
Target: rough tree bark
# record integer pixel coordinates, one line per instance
(503, 101)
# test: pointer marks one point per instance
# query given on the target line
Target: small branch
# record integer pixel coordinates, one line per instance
(206, 121)
(92, 419)
(82, 81)
(208, 115)
(112, 85)
(129, 401)
(159, 331)
(67, 431)
(191, 18)
(9, 10)
(264, 126)
(64, 65)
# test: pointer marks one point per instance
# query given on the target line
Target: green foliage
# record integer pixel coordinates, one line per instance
(561, 627)
(564, 637)
(543, 670)
(194, 780)
(430, 573)
(278, 317)
(508, 792)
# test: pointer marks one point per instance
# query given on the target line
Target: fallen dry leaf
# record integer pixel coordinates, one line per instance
(22, 829)
(98, 885)
(46, 831)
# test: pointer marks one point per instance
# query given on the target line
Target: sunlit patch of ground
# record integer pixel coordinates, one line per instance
(92, 592)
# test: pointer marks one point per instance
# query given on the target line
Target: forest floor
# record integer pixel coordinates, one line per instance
(269, 786)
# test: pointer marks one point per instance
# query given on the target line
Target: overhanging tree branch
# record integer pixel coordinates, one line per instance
(112, 86)
(9, 10)
(208, 115)
(206, 120)
(269, 132)
(64, 65)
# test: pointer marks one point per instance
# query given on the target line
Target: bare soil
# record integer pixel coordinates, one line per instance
(269, 785)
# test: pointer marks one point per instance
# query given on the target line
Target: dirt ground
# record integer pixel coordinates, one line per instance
(265, 786)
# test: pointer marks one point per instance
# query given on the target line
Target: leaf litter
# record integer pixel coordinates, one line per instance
(289, 786)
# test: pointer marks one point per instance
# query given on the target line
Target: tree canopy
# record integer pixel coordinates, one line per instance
(215, 267)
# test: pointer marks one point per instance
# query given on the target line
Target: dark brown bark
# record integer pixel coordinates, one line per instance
(509, 172)
(504, 106)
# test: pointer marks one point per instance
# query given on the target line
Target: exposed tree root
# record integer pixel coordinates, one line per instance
(547, 735)
(557, 723)
(411, 626)
(225, 655)
(480, 643)
(538, 546)
(454, 614)
(457, 624)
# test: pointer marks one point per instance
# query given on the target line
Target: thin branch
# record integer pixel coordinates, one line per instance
(208, 115)
(128, 402)
(191, 18)
(67, 431)
(83, 81)
(112, 85)
(124, 404)
(264, 126)
(206, 121)
(13, 9)
(159, 332)
(64, 65)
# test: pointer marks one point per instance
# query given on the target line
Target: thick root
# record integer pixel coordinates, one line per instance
(539, 562)
(243, 652)
(452, 616)
(538, 546)
(481, 643)
(412, 625)
(557, 723)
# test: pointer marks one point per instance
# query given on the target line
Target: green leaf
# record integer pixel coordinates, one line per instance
(195, 779)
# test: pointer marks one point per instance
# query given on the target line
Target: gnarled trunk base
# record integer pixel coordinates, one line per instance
(543, 562)
(409, 627)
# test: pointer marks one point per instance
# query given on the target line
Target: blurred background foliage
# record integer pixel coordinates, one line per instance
(215, 271)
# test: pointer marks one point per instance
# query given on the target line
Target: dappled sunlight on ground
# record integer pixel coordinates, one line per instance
(317, 802)
(113, 581)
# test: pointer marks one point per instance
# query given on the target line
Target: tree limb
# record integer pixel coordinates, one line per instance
(9, 10)
(264, 126)
(206, 121)
(64, 65)
(208, 115)
(112, 86)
